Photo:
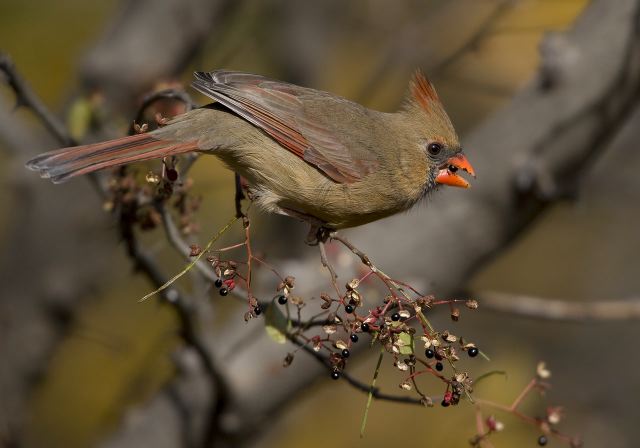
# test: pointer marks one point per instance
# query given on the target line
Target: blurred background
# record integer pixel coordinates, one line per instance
(82, 361)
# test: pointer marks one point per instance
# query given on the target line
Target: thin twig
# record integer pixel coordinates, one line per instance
(325, 262)
(180, 245)
(357, 384)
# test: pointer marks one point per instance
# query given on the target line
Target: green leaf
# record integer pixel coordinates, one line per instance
(276, 324)
(363, 425)
(192, 263)
(407, 341)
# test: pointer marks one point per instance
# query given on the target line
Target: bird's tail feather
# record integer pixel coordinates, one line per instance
(62, 164)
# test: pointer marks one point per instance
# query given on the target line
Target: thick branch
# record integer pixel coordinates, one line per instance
(26, 97)
(149, 41)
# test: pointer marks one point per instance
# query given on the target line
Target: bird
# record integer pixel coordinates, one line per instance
(304, 153)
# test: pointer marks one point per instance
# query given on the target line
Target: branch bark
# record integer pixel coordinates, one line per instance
(556, 309)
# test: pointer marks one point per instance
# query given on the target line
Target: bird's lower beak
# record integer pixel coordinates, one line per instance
(447, 174)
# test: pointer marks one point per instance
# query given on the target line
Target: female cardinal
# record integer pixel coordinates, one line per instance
(305, 153)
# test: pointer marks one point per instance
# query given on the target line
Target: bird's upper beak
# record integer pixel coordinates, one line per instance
(447, 174)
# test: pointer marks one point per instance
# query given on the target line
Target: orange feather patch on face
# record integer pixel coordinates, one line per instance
(423, 92)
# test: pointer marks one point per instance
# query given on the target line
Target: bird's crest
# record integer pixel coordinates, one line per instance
(423, 92)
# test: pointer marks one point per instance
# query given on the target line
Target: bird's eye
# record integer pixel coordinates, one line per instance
(434, 148)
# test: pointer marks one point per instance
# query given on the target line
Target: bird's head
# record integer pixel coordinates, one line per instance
(434, 135)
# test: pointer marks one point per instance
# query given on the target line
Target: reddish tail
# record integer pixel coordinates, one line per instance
(62, 164)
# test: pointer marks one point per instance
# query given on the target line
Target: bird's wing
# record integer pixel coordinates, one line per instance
(278, 109)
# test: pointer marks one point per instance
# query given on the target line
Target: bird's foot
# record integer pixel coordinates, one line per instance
(318, 234)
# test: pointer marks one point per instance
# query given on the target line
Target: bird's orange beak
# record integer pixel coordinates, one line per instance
(447, 174)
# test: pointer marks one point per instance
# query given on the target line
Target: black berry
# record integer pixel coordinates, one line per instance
(429, 353)
(348, 309)
(346, 353)
(439, 366)
(438, 356)
(224, 291)
(395, 317)
(445, 403)
(354, 337)
(218, 283)
(172, 175)
(335, 374)
(542, 440)
(257, 310)
(473, 352)
(364, 327)
(282, 300)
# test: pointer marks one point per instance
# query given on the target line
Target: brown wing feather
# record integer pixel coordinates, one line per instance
(278, 109)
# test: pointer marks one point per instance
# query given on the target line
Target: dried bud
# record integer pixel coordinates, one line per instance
(404, 314)
(471, 304)
(405, 385)
(195, 250)
(152, 178)
(290, 281)
(461, 377)
(340, 344)
(329, 329)
(401, 365)
(317, 343)
(287, 360)
(554, 414)
(140, 129)
(353, 284)
(160, 120)
(455, 315)
(354, 297)
(542, 372)
(448, 337)
(493, 424)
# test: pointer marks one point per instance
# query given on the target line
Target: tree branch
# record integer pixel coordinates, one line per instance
(27, 98)
(556, 309)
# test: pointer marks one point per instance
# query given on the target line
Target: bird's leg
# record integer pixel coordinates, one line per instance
(318, 235)
(239, 196)
(322, 234)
